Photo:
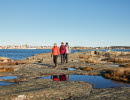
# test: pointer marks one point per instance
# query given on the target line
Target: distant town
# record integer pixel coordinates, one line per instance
(24, 47)
(50, 47)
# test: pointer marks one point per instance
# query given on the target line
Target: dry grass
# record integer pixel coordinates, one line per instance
(95, 61)
(13, 63)
(6, 69)
(122, 74)
(94, 74)
(87, 68)
(119, 60)
(83, 57)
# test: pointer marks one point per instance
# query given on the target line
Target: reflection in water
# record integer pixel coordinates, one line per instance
(68, 69)
(60, 77)
(97, 81)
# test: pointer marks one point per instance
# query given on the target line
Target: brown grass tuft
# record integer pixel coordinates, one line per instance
(87, 69)
(6, 69)
(83, 57)
(122, 74)
(119, 60)
(94, 74)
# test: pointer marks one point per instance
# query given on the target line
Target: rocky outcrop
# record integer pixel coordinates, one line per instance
(45, 90)
(86, 57)
(119, 93)
(9, 62)
(12, 63)
(29, 87)
(93, 57)
(5, 59)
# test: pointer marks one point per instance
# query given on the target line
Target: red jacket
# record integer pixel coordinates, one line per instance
(55, 51)
(62, 49)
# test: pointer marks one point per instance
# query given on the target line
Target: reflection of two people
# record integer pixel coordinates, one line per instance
(60, 77)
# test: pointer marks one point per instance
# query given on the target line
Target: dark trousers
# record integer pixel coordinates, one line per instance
(66, 57)
(62, 58)
(55, 57)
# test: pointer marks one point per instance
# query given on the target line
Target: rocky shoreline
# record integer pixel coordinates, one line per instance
(28, 87)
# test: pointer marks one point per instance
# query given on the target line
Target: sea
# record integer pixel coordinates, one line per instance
(18, 54)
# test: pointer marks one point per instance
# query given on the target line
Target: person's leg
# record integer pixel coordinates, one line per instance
(56, 60)
(67, 57)
(61, 58)
(53, 59)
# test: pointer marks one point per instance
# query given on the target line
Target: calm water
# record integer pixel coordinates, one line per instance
(17, 54)
(4, 83)
(8, 77)
(97, 81)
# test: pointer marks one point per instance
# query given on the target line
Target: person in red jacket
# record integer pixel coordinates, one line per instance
(62, 52)
(55, 53)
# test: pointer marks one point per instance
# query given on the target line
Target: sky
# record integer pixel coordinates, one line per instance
(89, 23)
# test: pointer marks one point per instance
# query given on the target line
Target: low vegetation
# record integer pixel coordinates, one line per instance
(122, 74)
(87, 68)
(119, 60)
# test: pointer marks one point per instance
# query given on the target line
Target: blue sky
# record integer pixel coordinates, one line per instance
(80, 22)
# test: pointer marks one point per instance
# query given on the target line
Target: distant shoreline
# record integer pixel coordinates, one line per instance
(50, 47)
(24, 49)
(71, 48)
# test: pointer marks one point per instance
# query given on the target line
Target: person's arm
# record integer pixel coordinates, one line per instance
(58, 51)
(52, 52)
(65, 49)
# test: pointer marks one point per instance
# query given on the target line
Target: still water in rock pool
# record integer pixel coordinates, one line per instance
(116, 65)
(97, 81)
(68, 69)
(4, 83)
